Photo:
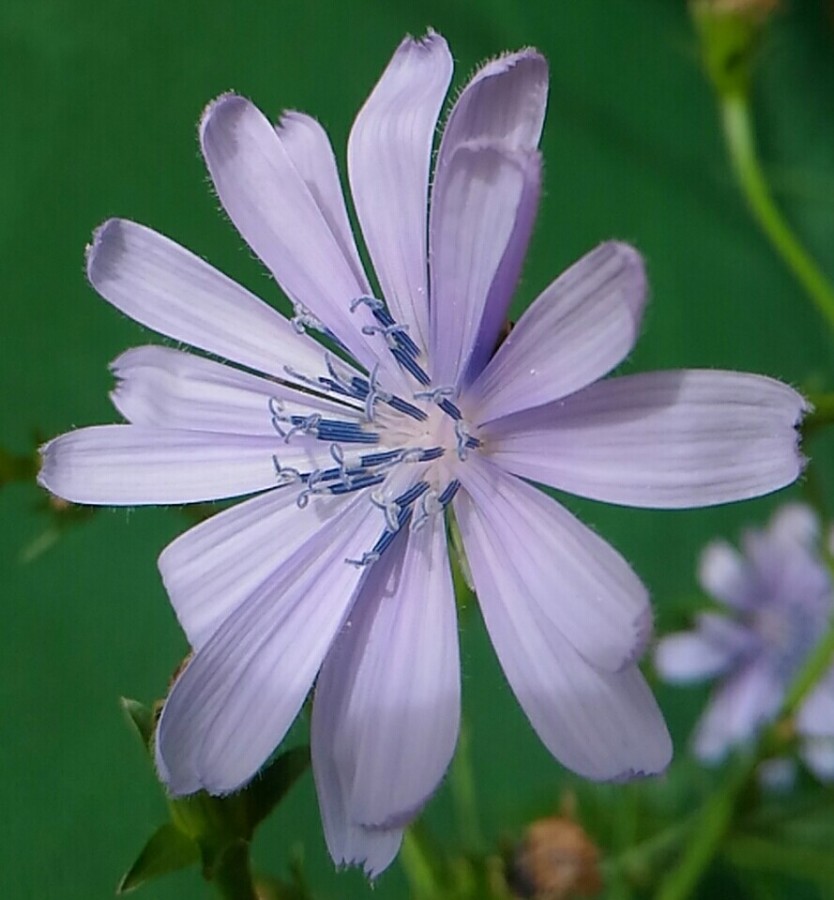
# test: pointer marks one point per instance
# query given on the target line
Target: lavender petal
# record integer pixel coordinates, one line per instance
(164, 388)
(273, 209)
(582, 326)
(211, 569)
(165, 287)
(479, 208)
(389, 152)
(129, 465)
(678, 439)
(387, 706)
(234, 701)
(309, 149)
(566, 574)
(603, 725)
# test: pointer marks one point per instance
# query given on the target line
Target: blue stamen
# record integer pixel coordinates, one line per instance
(319, 475)
(429, 455)
(344, 381)
(440, 396)
(390, 508)
(382, 315)
(409, 409)
(368, 559)
(333, 386)
(399, 333)
(285, 474)
(407, 361)
(339, 458)
(382, 458)
(371, 302)
(387, 536)
(356, 484)
(359, 387)
(402, 346)
(465, 441)
(335, 430)
(448, 493)
(409, 496)
(304, 319)
(277, 415)
(450, 409)
(396, 335)
(435, 395)
(303, 425)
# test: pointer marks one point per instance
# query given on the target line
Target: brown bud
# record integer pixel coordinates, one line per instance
(555, 860)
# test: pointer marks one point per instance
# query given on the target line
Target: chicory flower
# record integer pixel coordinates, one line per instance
(777, 599)
(359, 422)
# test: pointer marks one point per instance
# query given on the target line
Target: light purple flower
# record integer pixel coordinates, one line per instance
(778, 599)
(338, 569)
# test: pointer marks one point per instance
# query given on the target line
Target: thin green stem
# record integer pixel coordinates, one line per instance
(637, 862)
(417, 865)
(713, 822)
(462, 784)
(738, 133)
(718, 815)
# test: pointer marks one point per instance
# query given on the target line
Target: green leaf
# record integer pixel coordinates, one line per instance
(167, 850)
(267, 790)
(141, 717)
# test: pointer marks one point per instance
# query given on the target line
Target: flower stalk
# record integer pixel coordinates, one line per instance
(233, 876)
(737, 122)
(730, 32)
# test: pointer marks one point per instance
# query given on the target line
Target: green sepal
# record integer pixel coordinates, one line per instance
(212, 831)
(167, 850)
(730, 39)
(141, 718)
(216, 823)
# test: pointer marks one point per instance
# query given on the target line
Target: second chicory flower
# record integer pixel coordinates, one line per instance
(777, 599)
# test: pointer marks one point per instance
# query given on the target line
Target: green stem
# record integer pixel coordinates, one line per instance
(417, 865)
(637, 862)
(462, 784)
(714, 821)
(718, 814)
(233, 875)
(738, 133)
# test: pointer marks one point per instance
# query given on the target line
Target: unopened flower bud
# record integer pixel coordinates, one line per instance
(730, 31)
(555, 860)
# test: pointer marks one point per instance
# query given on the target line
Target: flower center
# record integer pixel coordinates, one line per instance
(418, 440)
(788, 636)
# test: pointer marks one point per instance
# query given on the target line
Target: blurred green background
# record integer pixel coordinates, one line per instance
(99, 102)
